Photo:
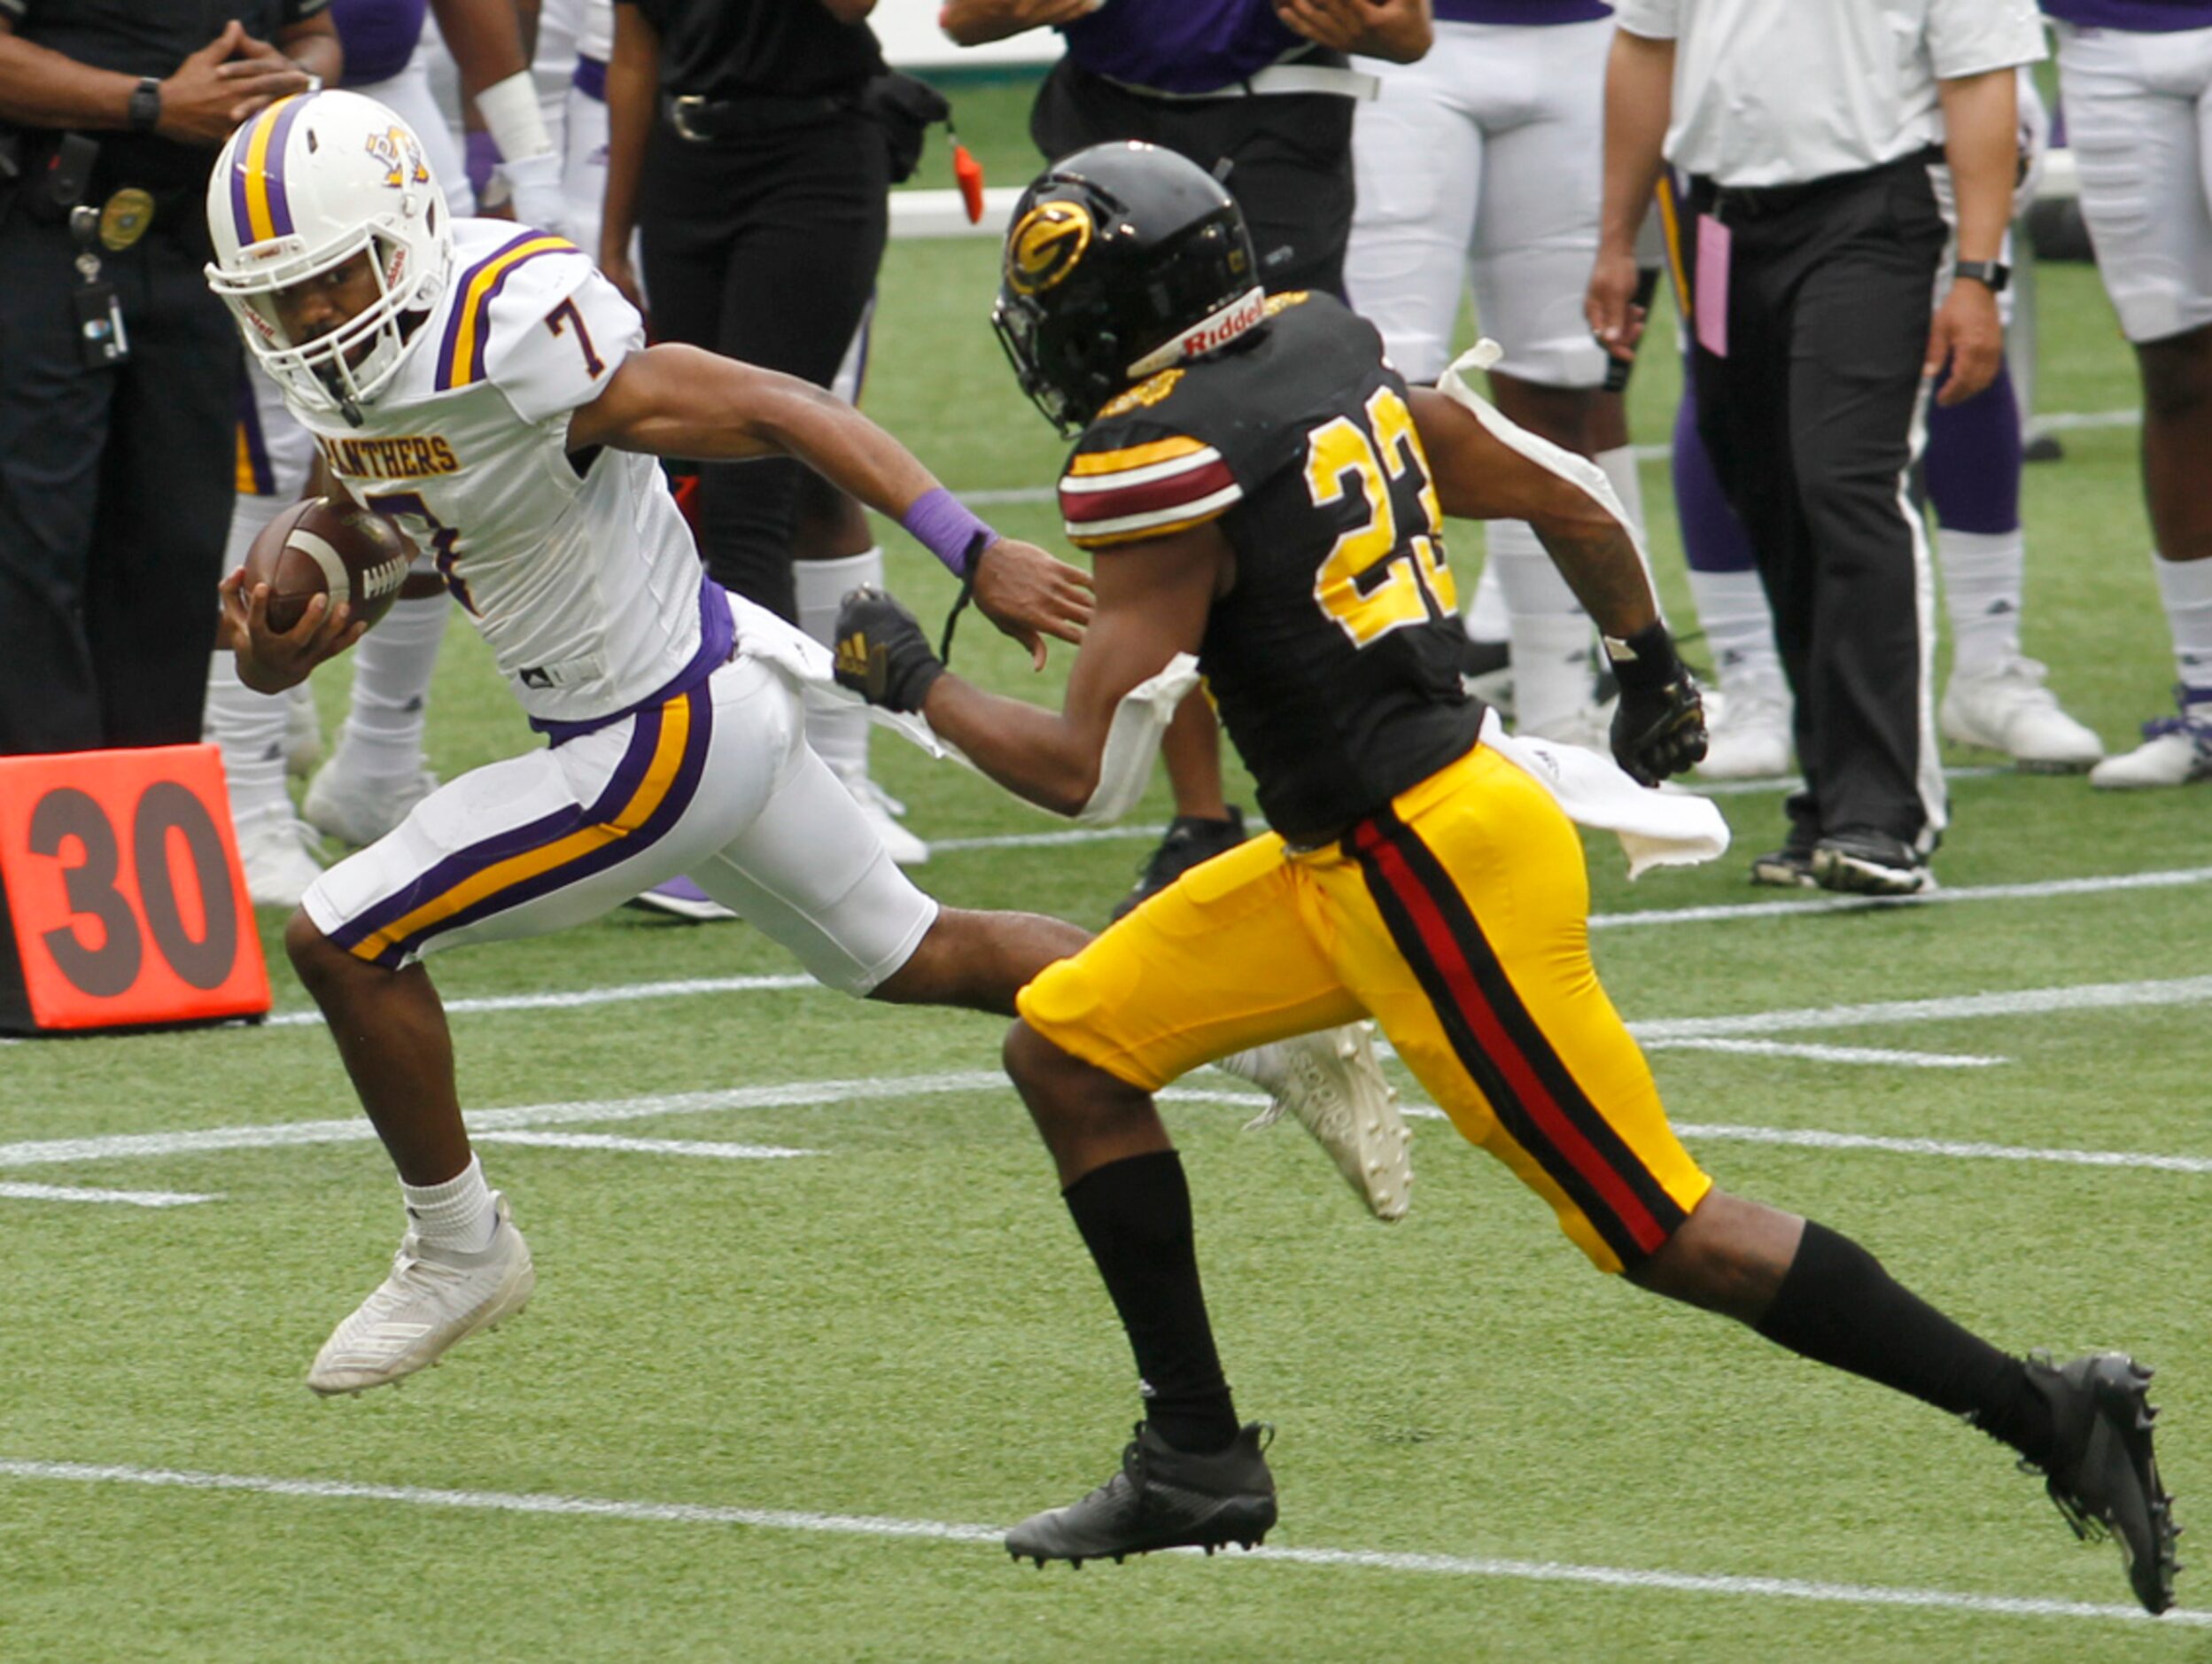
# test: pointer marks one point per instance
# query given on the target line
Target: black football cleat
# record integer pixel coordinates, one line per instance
(1865, 861)
(2102, 1473)
(1190, 840)
(1789, 867)
(1162, 1498)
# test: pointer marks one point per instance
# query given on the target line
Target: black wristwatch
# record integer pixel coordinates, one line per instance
(1992, 274)
(145, 104)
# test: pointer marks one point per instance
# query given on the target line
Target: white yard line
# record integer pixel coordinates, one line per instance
(1872, 1055)
(643, 1146)
(693, 987)
(126, 1198)
(1804, 1589)
(696, 987)
(1960, 1149)
(2025, 1002)
(1697, 1033)
(2041, 889)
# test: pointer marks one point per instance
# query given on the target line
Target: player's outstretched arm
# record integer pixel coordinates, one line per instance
(1479, 476)
(672, 400)
(1660, 726)
(1154, 598)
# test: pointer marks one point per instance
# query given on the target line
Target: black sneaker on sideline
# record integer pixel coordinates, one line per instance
(1190, 839)
(2102, 1472)
(1162, 1498)
(1865, 862)
(1789, 867)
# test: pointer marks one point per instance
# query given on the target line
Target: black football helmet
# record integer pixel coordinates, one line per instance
(1122, 259)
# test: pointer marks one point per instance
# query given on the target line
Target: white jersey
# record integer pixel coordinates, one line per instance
(587, 588)
(595, 30)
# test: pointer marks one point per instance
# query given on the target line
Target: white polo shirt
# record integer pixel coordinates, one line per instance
(1778, 92)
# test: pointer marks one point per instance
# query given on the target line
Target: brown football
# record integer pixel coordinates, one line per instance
(321, 546)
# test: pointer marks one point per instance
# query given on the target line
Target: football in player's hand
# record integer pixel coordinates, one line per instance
(323, 546)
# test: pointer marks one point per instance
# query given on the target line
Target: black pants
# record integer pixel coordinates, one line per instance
(116, 493)
(1289, 157)
(1811, 420)
(763, 249)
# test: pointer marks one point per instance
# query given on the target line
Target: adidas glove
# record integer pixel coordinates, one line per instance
(882, 654)
(1660, 726)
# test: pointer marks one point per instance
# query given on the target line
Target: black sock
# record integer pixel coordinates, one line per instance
(1837, 1306)
(1134, 1217)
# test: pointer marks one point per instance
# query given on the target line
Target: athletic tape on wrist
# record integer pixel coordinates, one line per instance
(944, 525)
(512, 117)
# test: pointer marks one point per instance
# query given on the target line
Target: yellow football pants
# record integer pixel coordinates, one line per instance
(1458, 919)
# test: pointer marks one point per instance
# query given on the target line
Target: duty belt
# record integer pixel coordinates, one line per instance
(701, 120)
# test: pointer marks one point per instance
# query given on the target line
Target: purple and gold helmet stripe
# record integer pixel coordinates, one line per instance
(644, 796)
(258, 208)
(256, 477)
(460, 353)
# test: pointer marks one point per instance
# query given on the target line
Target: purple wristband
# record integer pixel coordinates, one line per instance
(941, 523)
(482, 153)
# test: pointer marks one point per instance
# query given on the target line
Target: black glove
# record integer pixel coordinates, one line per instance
(882, 654)
(1660, 726)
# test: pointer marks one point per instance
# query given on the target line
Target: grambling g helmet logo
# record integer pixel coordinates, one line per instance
(1046, 246)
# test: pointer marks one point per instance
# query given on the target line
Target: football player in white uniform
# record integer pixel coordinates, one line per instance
(2136, 78)
(1479, 165)
(486, 386)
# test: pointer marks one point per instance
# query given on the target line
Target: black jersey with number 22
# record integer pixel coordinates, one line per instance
(1334, 660)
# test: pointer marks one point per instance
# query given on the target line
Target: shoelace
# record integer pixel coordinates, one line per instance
(2199, 729)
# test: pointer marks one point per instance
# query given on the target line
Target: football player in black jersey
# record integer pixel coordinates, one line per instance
(1265, 491)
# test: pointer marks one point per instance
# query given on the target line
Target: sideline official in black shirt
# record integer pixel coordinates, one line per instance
(119, 370)
(758, 183)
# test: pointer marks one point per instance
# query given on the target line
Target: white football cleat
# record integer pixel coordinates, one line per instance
(2175, 751)
(1747, 736)
(880, 811)
(434, 1297)
(274, 850)
(2007, 708)
(357, 807)
(1332, 1083)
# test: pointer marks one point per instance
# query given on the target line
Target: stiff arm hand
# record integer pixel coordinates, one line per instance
(1030, 594)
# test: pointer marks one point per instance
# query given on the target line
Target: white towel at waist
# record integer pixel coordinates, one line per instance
(1666, 827)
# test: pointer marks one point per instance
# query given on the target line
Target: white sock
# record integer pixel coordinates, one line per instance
(1618, 466)
(457, 1214)
(393, 663)
(1487, 619)
(1739, 629)
(2185, 586)
(1549, 632)
(249, 729)
(1982, 584)
(838, 731)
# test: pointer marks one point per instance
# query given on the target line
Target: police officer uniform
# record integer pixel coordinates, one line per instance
(118, 374)
(763, 209)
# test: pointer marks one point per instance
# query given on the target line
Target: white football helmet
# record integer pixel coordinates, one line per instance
(298, 191)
